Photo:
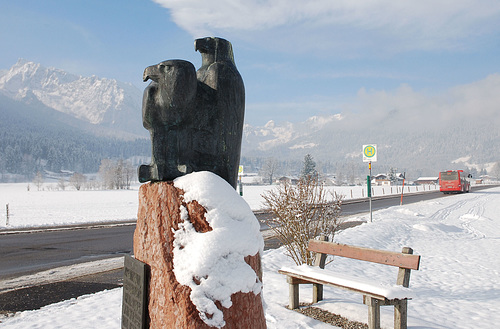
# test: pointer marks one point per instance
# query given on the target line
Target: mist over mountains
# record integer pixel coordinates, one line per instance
(51, 119)
(420, 134)
(336, 144)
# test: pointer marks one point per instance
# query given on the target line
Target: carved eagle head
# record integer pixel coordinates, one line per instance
(175, 82)
(218, 48)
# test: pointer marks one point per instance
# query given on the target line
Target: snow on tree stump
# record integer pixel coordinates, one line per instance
(203, 246)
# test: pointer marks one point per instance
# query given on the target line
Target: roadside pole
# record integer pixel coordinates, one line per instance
(369, 155)
(240, 183)
(402, 190)
(369, 185)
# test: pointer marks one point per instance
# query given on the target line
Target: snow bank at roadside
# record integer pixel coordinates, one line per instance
(32, 208)
(61, 274)
(457, 286)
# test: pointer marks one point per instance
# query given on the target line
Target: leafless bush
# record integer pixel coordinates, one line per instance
(38, 181)
(77, 180)
(61, 184)
(116, 174)
(302, 212)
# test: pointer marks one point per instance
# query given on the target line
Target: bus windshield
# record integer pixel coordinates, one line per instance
(449, 175)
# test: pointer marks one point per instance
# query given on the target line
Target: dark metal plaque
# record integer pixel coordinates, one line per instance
(135, 294)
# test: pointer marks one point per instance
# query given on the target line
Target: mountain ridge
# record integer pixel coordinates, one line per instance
(38, 138)
(414, 137)
(98, 101)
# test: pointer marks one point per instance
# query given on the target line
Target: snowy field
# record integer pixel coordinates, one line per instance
(457, 285)
(32, 208)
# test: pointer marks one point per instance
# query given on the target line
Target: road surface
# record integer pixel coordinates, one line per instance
(25, 253)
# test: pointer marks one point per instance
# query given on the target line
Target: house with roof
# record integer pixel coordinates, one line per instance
(427, 181)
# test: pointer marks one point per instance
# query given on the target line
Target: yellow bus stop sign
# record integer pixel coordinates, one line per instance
(370, 153)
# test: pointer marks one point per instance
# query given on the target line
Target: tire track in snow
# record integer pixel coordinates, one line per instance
(444, 213)
(475, 213)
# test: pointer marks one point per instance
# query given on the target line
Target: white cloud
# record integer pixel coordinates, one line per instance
(479, 99)
(402, 107)
(344, 25)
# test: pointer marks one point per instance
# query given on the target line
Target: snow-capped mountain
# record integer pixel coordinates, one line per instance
(99, 101)
(273, 135)
(411, 136)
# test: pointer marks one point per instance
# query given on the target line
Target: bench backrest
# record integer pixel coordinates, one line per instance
(404, 260)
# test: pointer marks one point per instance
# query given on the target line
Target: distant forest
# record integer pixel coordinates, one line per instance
(33, 140)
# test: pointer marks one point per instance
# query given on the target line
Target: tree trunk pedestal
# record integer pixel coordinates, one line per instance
(169, 302)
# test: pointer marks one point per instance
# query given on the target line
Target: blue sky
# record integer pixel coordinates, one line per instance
(297, 58)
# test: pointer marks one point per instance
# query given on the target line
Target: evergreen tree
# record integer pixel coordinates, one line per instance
(309, 168)
(393, 176)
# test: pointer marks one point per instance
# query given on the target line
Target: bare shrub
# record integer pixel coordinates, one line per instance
(38, 181)
(77, 180)
(116, 174)
(61, 184)
(302, 212)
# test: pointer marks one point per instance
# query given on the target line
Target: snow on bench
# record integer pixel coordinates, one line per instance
(375, 294)
(365, 286)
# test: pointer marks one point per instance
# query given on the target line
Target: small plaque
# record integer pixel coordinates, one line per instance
(135, 294)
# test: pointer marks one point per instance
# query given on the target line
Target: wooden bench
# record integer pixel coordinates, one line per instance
(375, 294)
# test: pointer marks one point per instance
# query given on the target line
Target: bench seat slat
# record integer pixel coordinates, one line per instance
(376, 256)
(368, 287)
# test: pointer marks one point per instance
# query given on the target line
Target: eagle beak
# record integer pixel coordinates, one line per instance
(202, 44)
(150, 73)
(197, 44)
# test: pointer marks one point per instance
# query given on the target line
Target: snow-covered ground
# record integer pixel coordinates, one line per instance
(31, 208)
(457, 285)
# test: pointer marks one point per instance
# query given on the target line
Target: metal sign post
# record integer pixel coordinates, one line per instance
(240, 183)
(370, 190)
(369, 155)
(402, 190)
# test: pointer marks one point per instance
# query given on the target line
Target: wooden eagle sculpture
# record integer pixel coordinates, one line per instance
(195, 118)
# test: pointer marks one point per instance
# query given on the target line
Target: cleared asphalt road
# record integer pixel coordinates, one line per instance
(25, 253)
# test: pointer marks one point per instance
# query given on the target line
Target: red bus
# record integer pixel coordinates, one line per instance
(454, 181)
